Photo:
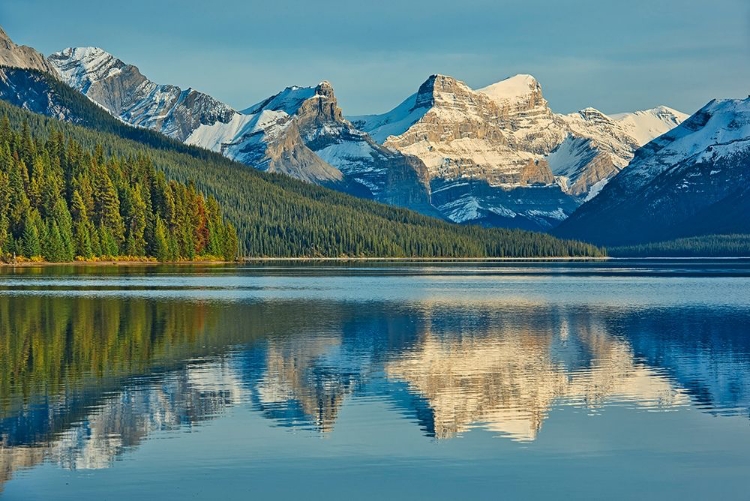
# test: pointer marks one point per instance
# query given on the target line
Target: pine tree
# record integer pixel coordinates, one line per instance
(32, 245)
(54, 248)
(107, 208)
(162, 251)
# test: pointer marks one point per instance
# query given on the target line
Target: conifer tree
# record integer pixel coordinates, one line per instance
(32, 246)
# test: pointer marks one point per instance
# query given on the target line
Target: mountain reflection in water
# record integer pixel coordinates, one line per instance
(86, 378)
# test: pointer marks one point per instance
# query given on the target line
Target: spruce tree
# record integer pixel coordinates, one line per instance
(32, 246)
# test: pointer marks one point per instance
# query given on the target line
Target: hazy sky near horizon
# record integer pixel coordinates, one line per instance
(614, 56)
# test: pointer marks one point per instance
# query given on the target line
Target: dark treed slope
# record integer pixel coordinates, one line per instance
(59, 201)
(705, 246)
(276, 215)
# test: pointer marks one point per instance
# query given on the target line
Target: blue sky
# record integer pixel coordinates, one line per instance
(613, 55)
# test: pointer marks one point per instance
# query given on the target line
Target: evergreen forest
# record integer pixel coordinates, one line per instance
(60, 202)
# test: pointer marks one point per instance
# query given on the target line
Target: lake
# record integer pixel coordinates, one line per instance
(366, 380)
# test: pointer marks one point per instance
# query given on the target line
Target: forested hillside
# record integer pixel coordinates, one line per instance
(704, 246)
(59, 201)
(278, 216)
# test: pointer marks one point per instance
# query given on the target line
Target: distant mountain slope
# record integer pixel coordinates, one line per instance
(694, 180)
(499, 155)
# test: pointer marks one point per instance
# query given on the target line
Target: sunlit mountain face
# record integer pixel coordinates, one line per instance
(95, 369)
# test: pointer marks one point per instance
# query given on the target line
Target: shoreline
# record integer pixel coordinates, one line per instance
(109, 263)
(260, 260)
(416, 259)
(251, 260)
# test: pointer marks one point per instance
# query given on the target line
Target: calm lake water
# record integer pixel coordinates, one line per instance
(617, 380)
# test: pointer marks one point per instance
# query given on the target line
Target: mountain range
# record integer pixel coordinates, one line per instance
(508, 161)
(496, 156)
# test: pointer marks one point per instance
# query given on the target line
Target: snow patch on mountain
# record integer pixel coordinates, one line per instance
(80, 67)
(289, 100)
(514, 90)
(393, 123)
(646, 125)
(217, 135)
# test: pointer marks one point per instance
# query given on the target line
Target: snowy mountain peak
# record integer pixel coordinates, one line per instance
(717, 129)
(647, 124)
(291, 99)
(518, 94)
(593, 115)
(126, 93)
(513, 89)
(689, 180)
(288, 100)
(80, 67)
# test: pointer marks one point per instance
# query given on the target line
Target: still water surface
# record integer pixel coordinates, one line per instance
(618, 380)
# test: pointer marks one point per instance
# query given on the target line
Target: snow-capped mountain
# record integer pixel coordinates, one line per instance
(301, 131)
(477, 172)
(505, 137)
(646, 125)
(126, 93)
(690, 181)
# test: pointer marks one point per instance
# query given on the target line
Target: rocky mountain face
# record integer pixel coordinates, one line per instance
(503, 142)
(21, 56)
(690, 181)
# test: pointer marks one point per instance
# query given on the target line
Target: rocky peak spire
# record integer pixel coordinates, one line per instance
(325, 89)
(5, 42)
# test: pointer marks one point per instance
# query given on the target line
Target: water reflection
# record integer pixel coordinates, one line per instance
(86, 378)
(507, 380)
